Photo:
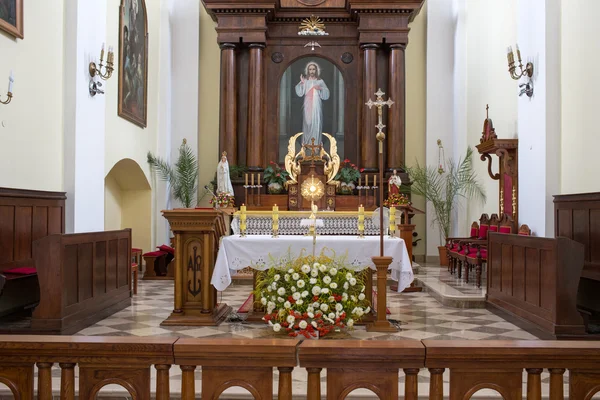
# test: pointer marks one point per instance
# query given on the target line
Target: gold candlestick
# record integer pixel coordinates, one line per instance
(392, 221)
(275, 221)
(243, 221)
(361, 222)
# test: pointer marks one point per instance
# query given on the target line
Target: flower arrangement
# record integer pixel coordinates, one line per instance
(396, 199)
(222, 200)
(311, 296)
(347, 175)
(275, 177)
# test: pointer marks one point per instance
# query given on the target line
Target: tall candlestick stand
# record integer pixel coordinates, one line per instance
(382, 263)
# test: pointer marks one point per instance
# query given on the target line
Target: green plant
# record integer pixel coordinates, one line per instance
(182, 178)
(442, 187)
(275, 174)
(237, 171)
(348, 172)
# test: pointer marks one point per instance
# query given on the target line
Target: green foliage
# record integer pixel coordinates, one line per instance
(275, 174)
(442, 187)
(237, 171)
(348, 172)
(182, 178)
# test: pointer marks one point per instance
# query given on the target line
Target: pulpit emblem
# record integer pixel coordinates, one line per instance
(277, 57)
(194, 265)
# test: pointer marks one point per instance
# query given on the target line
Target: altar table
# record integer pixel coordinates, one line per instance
(258, 251)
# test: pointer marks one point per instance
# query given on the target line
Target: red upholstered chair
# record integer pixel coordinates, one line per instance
(155, 264)
(476, 255)
(455, 245)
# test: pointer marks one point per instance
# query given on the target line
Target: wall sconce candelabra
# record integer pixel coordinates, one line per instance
(108, 69)
(526, 88)
(9, 94)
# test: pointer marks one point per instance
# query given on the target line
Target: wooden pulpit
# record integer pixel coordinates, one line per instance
(197, 233)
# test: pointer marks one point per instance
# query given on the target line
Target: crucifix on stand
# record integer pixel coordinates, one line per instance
(382, 263)
(312, 147)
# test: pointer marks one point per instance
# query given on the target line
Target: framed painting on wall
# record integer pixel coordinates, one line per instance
(133, 62)
(11, 17)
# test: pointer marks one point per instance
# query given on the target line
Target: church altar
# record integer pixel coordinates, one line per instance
(259, 251)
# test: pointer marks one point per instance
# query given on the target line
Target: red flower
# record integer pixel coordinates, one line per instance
(278, 175)
(347, 160)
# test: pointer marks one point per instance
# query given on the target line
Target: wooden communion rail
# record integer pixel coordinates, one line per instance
(350, 364)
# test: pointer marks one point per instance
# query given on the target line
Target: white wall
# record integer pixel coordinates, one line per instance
(539, 116)
(491, 28)
(580, 83)
(31, 154)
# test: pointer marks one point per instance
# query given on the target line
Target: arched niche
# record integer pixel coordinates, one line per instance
(302, 108)
(128, 202)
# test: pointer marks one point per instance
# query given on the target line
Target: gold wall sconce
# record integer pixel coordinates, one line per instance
(9, 94)
(108, 69)
(526, 88)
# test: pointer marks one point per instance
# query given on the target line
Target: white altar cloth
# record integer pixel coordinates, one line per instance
(257, 251)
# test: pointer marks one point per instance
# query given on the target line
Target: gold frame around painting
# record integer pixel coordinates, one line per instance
(15, 30)
(122, 111)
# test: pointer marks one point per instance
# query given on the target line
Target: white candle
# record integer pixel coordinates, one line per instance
(11, 81)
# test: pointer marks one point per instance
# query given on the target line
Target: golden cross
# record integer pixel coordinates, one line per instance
(380, 103)
(312, 148)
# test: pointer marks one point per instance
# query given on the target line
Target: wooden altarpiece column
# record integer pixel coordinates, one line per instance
(364, 39)
(507, 151)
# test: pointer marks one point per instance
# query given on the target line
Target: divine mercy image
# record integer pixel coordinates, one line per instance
(314, 90)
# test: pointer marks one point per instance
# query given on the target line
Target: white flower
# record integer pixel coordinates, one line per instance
(316, 290)
(303, 324)
(276, 277)
(286, 277)
(290, 319)
(310, 308)
(331, 299)
(270, 304)
(263, 301)
(310, 314)
(333, 285)
(296, 296)
(325, 290)
(352, 281)
(363, 289)
(316, 305)
(332, 271)
(287, 305)
(339, 307)
(346, 286)
(327, 280)
(359, 311)
(293, 289)
(281, 291)
(274, 284)
(276, 327)
(314, 273)
(295, 276)
(344, 296)
(300, 302)
(361, 296)
(349, 276)
(300, 283)
(305, 294)
(316, 265)
(280, 299)
(269, 288)
(314, 324)
(353, 298)
(290, 271)
(273, 298)
(350, 323)
(313, 281)
(322, 268)
(305, 268)
(367, 310)
(331, 315)
(324, 307)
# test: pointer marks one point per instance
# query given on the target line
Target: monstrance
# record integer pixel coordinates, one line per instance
(312, 189)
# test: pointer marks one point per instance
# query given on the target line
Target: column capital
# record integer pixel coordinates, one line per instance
(227, 46)
(401, 46)
(257, 45)
(369, 46)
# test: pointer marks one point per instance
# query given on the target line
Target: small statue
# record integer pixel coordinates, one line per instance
(394, 184)
(223, 180)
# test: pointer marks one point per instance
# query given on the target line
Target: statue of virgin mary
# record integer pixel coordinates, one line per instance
(223, 180)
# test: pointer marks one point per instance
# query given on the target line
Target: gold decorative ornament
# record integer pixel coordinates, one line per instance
(312, 189)
(501, 201)
(292, 159)
(312, 26)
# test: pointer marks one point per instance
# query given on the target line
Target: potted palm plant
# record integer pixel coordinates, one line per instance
(442, 187)
(182, 178)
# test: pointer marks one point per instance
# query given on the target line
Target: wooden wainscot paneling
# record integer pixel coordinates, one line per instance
(83, 277)
(537, 279)
(25, 216)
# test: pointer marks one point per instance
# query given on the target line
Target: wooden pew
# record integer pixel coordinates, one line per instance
(84, 277)
(537, 279)
(25, 216)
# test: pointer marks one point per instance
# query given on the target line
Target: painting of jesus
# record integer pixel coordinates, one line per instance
(11, 17)
(315, 91)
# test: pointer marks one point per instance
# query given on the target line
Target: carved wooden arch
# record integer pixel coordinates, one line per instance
(506, 395)
(592, 392)
(12, 386)
(360, 385)
(115, 381)
(233, 383)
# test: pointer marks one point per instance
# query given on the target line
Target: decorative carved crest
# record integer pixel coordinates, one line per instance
(312, 26)
(292, 159)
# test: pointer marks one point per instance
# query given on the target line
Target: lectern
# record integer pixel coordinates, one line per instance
(197, 233)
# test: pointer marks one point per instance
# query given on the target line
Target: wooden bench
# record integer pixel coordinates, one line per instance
(158, 264)
(20, 290)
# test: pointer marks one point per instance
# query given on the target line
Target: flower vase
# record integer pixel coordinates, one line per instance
(345, 190)
(275, 188)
